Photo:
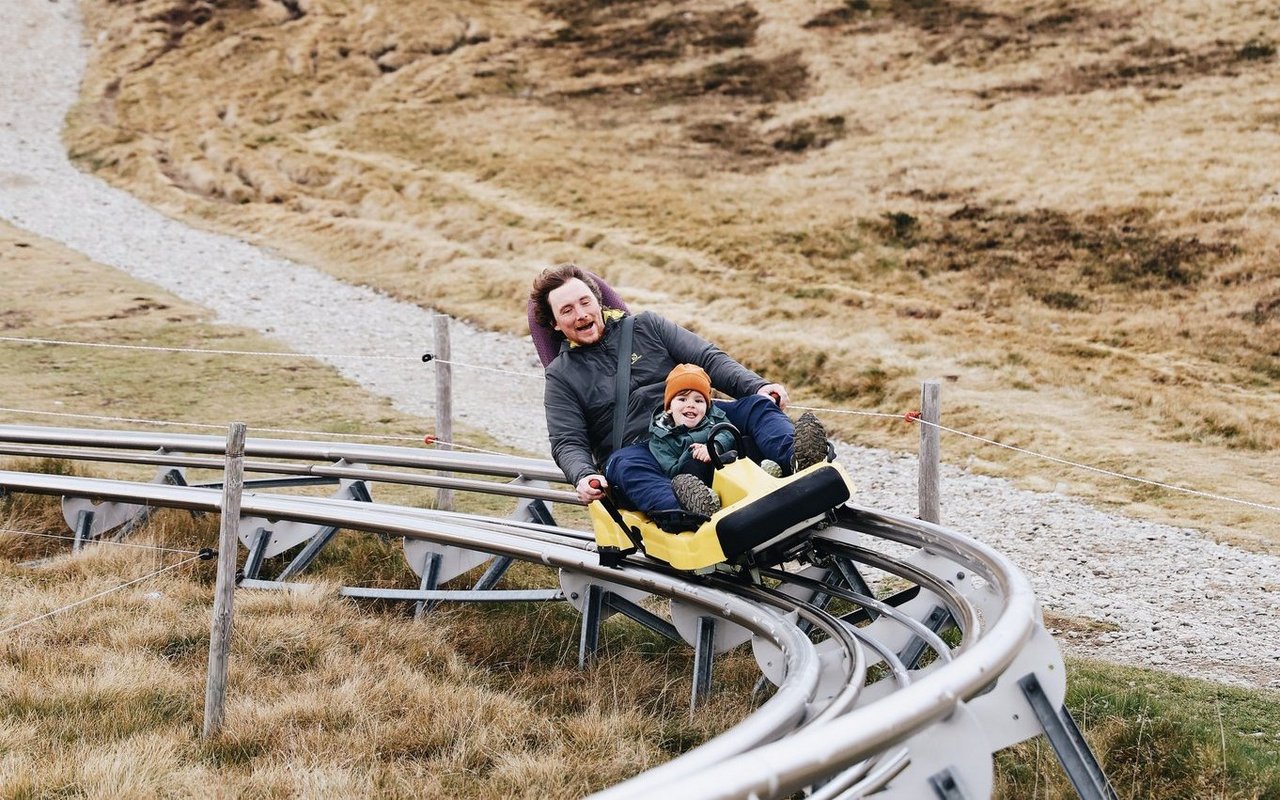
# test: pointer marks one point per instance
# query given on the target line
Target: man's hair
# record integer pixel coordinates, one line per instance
(553, 278)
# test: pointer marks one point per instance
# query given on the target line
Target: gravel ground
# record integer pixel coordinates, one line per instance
(1161, 596)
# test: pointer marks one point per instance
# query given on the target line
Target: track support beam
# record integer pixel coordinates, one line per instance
(1077, 760)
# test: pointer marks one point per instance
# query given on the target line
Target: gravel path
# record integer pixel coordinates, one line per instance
(1163, 597)
(41, 59)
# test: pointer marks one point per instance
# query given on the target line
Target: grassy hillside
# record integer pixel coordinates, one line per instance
(326, 697)
(1060, 207)
(332, 698)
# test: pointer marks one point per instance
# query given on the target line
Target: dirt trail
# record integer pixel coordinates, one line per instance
(1149, 594)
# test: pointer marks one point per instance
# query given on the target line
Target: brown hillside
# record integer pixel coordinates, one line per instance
(1068, 209)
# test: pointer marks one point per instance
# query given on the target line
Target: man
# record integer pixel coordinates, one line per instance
(580, 397)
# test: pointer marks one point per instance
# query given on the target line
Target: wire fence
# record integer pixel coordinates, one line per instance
(425, 358)
(100, 594)
(158, 548)
(429, 439)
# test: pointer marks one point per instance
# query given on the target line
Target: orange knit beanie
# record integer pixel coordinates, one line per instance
(687, 376)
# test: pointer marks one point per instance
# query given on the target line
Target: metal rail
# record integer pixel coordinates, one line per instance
(786, 766)
(825, 725)
(781, 713)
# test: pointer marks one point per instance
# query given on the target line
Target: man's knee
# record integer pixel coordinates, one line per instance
(745, 410)
(630, 457)
(631, 463)
(756, 401)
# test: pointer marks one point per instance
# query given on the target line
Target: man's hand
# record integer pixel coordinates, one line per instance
(775, 392)
(591, 488)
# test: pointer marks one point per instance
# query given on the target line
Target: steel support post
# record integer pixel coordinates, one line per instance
(493, 574)
(539, 513)
(430, 582)
(896, 600)
(308, 553)
(359, 493)
(914, 651)
(253, 562)
(171, 477)
(84, 528)
(1068, 743)
(534, 511)
(854, 580)
(591, 611)
(641, 615)
(703, 657)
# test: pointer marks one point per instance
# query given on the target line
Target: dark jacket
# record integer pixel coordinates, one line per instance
(580, 388)
(669, 442)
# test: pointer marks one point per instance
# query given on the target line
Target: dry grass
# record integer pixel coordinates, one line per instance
(55, 293)
(333, 698)
(327, 697)
(1058, 205)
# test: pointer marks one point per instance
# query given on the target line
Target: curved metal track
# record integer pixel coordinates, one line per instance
(869, 697)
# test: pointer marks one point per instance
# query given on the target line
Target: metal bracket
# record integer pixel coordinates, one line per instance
(897, 600)
(597, 603)
(83, 529)
(944, 785)
(291, 533)
(493, 574)
(253, 562)
(589, 640)
(359, 492)
(938, 619)
(704, 655)
(640, 614)
(456, 561)
(109, 516)
(853, 579)
(430, 582)
(1068, 743)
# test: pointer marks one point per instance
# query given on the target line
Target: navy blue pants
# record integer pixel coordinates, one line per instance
(636, 481)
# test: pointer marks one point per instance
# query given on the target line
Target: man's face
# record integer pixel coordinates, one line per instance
(577, 312)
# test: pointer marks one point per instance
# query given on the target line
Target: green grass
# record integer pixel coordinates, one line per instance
(1158, 735)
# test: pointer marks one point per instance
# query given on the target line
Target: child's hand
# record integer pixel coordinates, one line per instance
(699, 451)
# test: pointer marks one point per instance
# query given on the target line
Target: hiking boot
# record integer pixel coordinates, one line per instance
(695, 496)
(810, 445)
(771, 467)
(677, 520)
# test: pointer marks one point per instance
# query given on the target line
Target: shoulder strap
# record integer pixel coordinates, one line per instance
(622, 380)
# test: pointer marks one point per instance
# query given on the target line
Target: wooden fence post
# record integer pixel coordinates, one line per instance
(930, 415)
(224, 589)
(444, 402)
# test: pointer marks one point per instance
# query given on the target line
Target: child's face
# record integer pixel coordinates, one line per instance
(688, 408)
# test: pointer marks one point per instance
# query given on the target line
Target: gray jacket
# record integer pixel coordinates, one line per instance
(580, 388)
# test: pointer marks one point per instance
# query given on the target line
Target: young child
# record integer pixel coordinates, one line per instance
(679, 434)
(678, 450)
